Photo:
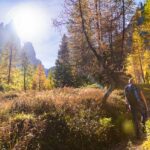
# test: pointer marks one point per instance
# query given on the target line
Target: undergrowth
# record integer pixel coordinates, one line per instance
(63, 119)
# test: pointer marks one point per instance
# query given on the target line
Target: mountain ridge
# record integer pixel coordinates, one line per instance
(8, 35)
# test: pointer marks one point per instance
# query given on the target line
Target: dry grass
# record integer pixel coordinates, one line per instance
(29, 119)
(61, 119)
(41, 102)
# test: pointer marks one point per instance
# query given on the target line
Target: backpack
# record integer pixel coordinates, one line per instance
(132, 94)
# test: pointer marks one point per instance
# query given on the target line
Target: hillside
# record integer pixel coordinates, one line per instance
(64, 119)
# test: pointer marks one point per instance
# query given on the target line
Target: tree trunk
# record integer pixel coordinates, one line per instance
(141, 67)
(99, 57)
(25, 79)
(97, 20)
(123, 34)
(10, 66)
(108, 92)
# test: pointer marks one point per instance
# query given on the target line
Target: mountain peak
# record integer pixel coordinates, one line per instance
(8, 34)
(30, 52)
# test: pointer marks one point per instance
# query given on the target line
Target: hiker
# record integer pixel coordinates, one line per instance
(137, 104)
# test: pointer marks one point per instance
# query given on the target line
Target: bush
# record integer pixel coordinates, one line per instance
(62, 119)
(7, 87)
(146, 145)
(1, 88)
(19, 133)
(148, 128)
(22, 116)
(104, 131)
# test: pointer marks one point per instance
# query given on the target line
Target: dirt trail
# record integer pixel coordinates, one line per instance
(138, 144)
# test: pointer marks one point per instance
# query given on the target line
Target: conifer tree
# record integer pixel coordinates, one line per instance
(138, 62)
(50, 81)
(27, 70)
(39, 79)
(8, 63)
(63, 75)
(101, 23)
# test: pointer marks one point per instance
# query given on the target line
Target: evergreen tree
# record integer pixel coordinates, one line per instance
(63, 75)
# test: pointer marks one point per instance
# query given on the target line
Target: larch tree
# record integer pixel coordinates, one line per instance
(39, 79)
(147, 66)
(100, 24)
(138, 63)
(50, 81)
(3, 66)
(8, 62)
(79, 51)
(138, 52)
(26, 69)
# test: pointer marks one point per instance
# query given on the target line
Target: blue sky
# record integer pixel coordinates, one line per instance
(47, 46)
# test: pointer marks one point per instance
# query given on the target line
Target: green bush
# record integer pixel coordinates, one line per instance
(146, 145)
(148, 128)
(23, 116)
(1, 88)
(96, 85)
(7, 87)
(104, 131)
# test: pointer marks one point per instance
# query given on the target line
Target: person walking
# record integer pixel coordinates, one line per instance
(137, 104)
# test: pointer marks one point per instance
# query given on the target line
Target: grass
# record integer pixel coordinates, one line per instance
(63, 119)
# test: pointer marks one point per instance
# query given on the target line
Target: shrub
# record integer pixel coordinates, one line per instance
(1, 88)
(146, 144)
(104, 131)
(23, 116)
(62, 119)
(148, 128)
